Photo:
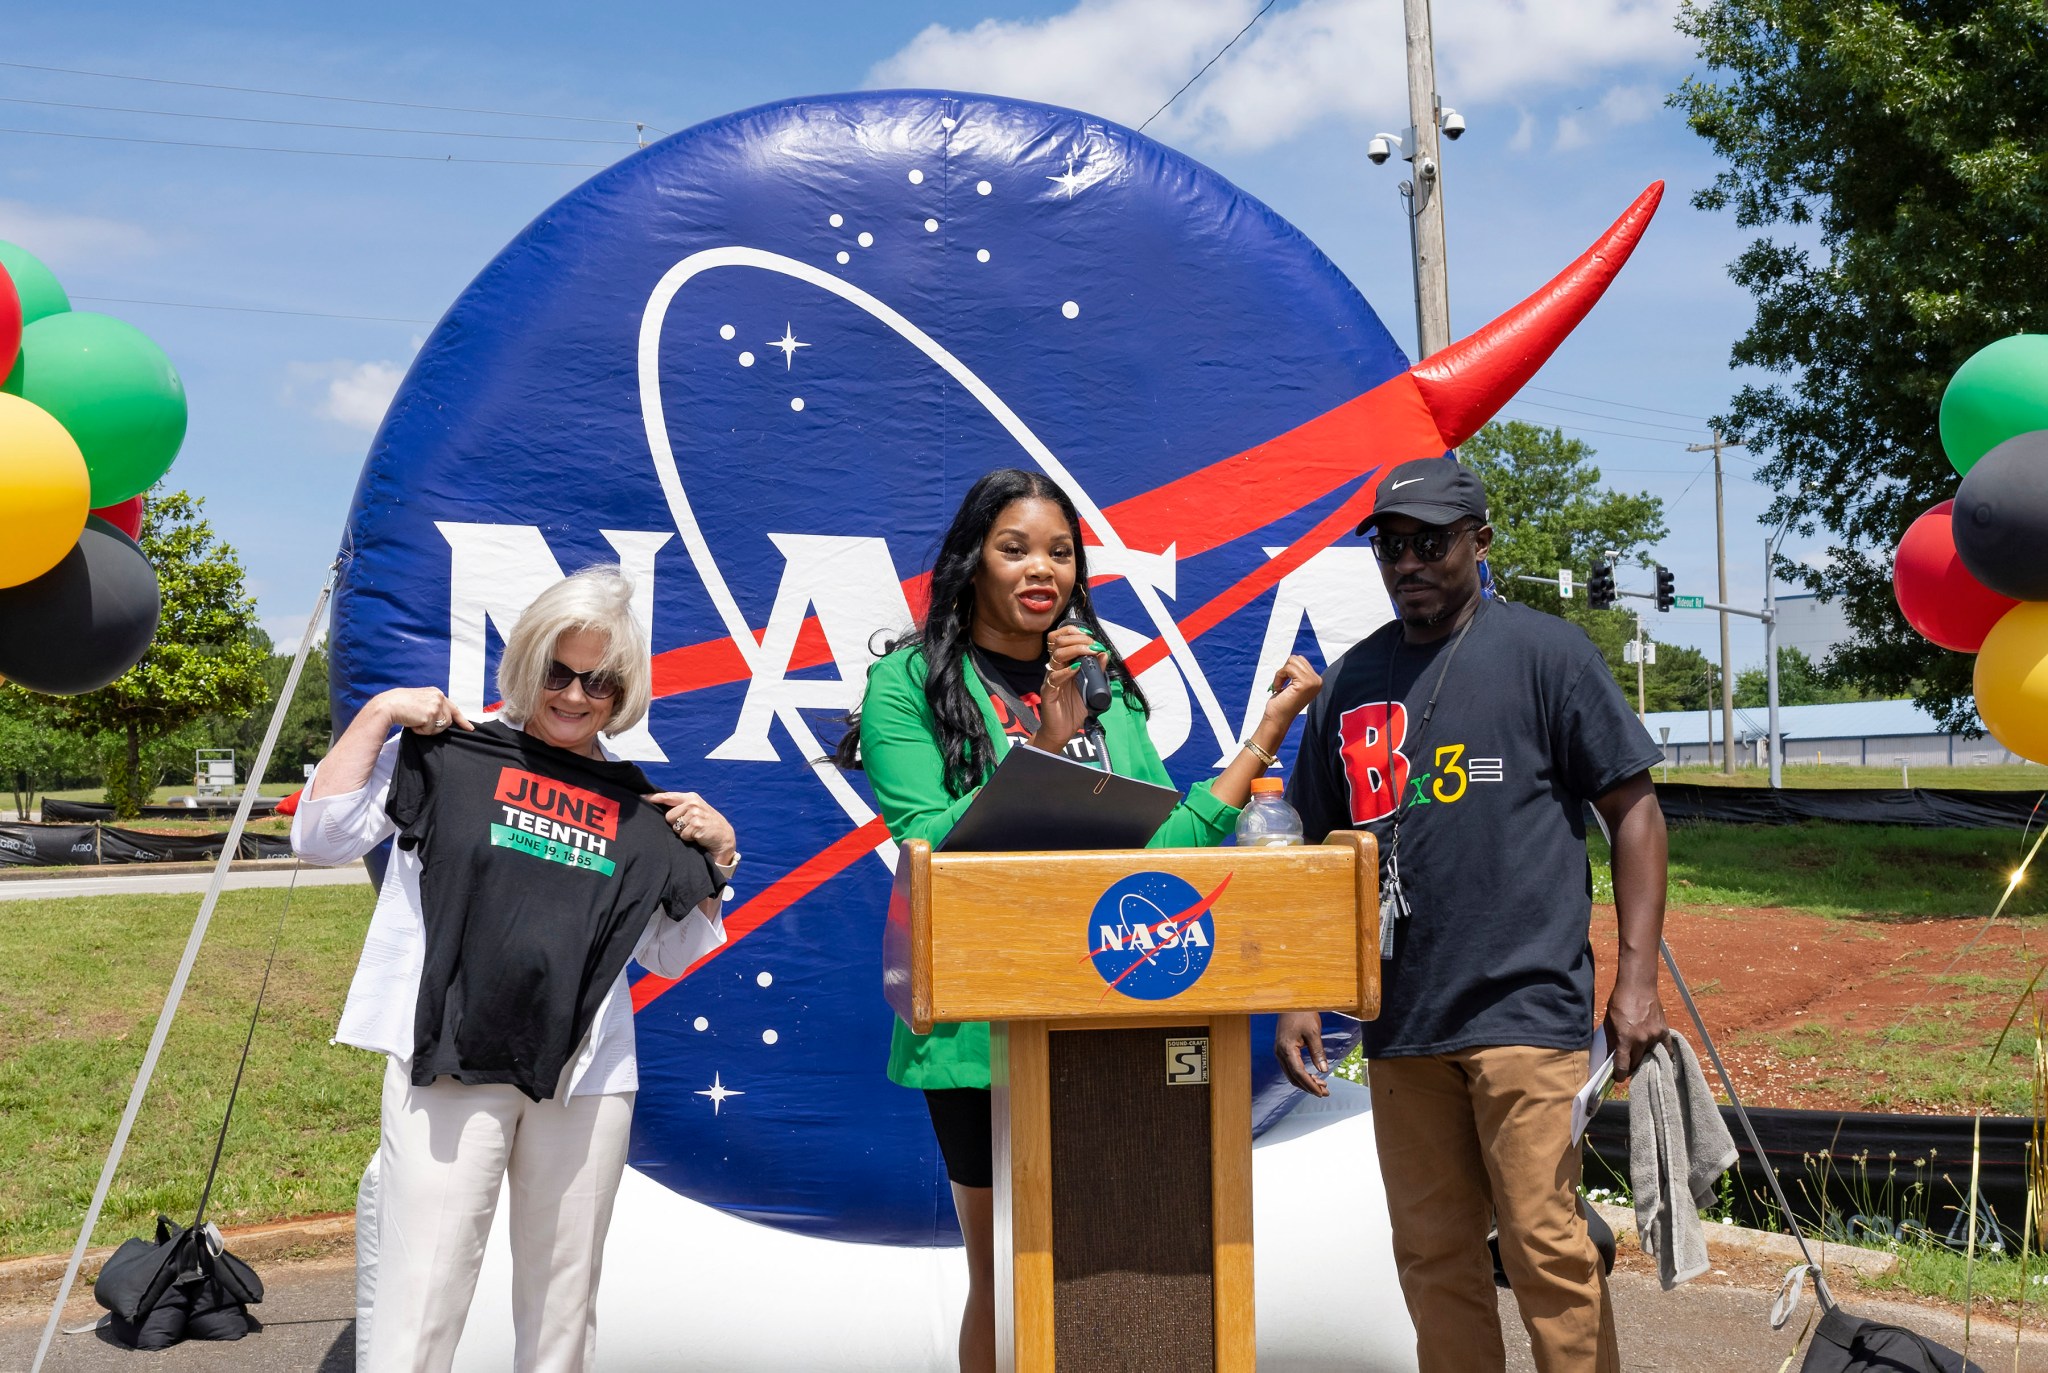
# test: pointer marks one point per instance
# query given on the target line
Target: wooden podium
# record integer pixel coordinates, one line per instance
(1120, 982)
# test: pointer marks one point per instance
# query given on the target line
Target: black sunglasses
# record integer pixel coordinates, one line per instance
(1430, 545)
(598, 684)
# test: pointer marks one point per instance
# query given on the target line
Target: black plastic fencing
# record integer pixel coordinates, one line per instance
(53, 846)
(1864, 1175)
(1919, 808)
(212, 808)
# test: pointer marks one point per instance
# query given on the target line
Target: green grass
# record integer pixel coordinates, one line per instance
(85, 980)
(1999, 777)
(162, 795)
(1932, 1271)
(258, 824)
(1842, 870)
(1927, 1061)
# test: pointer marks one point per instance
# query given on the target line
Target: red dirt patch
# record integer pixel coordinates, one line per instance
(1843, 987)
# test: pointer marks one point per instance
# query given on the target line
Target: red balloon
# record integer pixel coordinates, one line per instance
(10, 323)
(1936, 593)
(127, 517)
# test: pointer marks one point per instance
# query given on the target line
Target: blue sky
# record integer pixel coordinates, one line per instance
(1564, 105)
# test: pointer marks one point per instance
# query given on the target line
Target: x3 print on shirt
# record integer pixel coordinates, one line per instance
(1379, 773)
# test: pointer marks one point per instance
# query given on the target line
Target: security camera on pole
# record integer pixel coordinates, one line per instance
(1424, 191)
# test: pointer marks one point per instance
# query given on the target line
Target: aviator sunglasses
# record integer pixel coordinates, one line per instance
(598, 684)
(1430, 545)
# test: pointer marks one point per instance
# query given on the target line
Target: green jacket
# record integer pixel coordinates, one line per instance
(900, 752)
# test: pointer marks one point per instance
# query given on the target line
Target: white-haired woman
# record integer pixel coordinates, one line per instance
(530, 865)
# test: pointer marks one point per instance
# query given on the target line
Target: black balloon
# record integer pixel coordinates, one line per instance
(2001, 518)
(85, 621)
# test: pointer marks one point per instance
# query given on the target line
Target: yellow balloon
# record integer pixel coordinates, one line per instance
(45, 491)
(2012, 680)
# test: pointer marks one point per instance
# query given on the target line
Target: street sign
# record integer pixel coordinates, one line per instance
(1690, 602)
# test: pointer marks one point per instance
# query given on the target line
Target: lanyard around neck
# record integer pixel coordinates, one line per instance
(1401, 803)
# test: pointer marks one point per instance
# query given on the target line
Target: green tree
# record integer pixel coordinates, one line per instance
(1550, 511)
(1800, 683)
(307, 727)
(204, 660)
(37, 755)
(1903, 147)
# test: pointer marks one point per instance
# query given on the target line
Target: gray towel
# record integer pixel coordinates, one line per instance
(1677, 1149)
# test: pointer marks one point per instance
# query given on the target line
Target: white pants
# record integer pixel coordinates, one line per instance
(445, 1152)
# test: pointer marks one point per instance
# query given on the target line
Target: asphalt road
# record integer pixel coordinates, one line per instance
(308, 1315)
(1701, 1327)
(137, 883)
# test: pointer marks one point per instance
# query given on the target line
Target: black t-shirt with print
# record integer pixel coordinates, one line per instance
(1529, 726)
(538, 870)
(1013, 685)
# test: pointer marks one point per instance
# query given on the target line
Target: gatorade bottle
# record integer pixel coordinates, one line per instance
(1267, 820)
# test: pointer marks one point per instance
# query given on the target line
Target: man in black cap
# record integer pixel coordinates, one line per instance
(1468, 736)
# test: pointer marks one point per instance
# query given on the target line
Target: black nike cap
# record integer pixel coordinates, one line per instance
(1433, 490)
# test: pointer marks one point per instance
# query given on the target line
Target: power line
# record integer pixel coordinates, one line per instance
(1623, 419)
(1210, 63)
(249, 309)
(305, 95)
(313, 124)
(304, 152)
(1626, 405)
(1582, 429)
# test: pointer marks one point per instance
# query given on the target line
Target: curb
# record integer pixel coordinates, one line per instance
(37, 1277)
(1724, 1241)
(83, 870)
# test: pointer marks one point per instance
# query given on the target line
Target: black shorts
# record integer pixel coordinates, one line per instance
(962, 1119)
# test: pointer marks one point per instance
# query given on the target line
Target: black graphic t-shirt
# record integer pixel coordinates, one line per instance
(1529, 726)
(1013, 685)
(538, 870)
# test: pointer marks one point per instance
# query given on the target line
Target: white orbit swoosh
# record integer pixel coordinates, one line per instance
(736, 626)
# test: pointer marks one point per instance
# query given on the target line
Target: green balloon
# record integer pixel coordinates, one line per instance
(36, 284)
(113, 389)
(2000, 393)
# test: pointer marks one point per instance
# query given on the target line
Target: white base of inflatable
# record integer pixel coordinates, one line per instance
(689, 1287)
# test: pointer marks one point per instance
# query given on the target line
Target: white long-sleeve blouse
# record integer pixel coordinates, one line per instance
(378, 1016)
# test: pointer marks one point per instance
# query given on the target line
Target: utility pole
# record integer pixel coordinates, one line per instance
(1642, 697)
(1771, 660)
(1426, 206)
(1721, 563)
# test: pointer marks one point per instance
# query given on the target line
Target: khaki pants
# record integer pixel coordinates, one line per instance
(1479, 1133)
(446, 1149)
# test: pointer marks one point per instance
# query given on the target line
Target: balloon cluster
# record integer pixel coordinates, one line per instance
(91, 414)
(1972, 573)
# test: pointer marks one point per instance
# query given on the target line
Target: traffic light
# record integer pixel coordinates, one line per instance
(1667, 587)
(1600, 586)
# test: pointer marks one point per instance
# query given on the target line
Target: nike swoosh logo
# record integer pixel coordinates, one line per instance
(1410, 482)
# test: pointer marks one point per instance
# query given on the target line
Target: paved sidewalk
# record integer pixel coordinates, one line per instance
(1708, 1326)
(1701, 1328)
(308, 1315)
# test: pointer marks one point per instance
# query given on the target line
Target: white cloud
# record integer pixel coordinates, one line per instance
(1626, 105)
(1525, 134)
(64, 240)
(1319, 58)
(353, 394)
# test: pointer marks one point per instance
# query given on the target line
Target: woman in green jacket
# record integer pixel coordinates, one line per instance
(987, 670)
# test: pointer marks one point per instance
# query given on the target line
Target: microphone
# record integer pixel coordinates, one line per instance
(1088, 673)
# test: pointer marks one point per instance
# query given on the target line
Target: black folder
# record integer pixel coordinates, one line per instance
(1039, 800)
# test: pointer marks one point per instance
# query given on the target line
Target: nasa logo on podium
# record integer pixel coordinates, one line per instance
(1151, 935)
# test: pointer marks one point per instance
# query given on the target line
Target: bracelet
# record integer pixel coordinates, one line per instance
(1264, 755)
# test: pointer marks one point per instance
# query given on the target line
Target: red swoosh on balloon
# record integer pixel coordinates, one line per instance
(1433, 406)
